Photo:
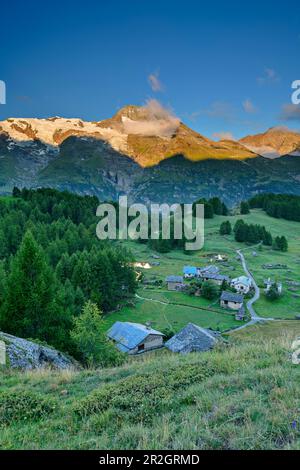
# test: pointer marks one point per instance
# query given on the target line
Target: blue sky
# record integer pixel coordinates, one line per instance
(223, 67)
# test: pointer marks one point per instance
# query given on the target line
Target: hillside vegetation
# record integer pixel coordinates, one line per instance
(244, 395)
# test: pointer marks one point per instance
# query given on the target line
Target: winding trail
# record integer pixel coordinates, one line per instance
(254, 317)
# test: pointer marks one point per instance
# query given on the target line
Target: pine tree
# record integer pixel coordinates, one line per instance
(89, 337)
(209, 290)
(241, 231)
(3, 284)
(225, 228)
(27, 309)
(245, 208)
(283, 244)
(225, 210)
(217, 206)
(280, 244)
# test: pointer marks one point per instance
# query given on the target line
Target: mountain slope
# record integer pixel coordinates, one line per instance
(274, 142)
(144, 152)
(147, 134)
(88, 167)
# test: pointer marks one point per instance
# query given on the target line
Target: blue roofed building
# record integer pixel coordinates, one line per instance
(135, 338)
(189, 271)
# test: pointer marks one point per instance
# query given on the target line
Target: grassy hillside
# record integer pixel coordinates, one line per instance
(243, 396)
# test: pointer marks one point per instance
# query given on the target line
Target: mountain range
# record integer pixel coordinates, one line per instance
(147, 153)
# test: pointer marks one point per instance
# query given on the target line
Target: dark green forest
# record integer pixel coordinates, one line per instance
(281, 206)
(52, 264)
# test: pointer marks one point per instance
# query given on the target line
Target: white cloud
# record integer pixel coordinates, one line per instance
(157, 121)
(223, 136)
(249, 107)
(269, 76)
(155, 82)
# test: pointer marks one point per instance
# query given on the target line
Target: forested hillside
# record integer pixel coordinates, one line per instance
(281, 206)
(52, 264)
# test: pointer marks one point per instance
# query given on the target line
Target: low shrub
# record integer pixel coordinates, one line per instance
(24, 406)
(143, 396)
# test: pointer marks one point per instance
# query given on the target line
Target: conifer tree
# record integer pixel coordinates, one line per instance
(28, 306)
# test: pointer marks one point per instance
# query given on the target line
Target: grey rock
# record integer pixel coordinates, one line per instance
(24, 354)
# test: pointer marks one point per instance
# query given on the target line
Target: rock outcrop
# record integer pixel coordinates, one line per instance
(26, 355)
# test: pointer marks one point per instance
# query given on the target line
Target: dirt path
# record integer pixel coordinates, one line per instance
(254, 317)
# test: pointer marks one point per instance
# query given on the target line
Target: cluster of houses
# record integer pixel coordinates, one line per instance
(135, 338)
(229, 300)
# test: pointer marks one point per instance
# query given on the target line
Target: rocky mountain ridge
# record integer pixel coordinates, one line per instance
(146, 153)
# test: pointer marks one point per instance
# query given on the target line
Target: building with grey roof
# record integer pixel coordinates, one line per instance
(231, 300)
(193, 338)
(210, 269)
(175, 282)
(215, 278)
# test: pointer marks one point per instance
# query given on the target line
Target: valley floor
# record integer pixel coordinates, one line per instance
(174, 310)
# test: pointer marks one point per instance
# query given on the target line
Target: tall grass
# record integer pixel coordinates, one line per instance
(245, 395)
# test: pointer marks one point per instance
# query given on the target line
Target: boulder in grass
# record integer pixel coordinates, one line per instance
(23, 354)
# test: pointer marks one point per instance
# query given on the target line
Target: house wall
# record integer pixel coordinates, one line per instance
(239, 287)
(151, 342)
(173, 285)
(215, 281)
(231, 305)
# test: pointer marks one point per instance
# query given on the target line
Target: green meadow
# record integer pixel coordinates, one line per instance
(175, 309)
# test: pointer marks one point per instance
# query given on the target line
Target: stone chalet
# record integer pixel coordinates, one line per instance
(215, 278)
(231, 300)
(211, 269)
(193, 338)
(175, 282)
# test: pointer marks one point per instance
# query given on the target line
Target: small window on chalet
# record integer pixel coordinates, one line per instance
(141, 347)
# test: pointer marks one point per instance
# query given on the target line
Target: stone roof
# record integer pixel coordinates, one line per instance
(193, 338)
(174, 279)
(211, 269)
(216, 277)
(231, 297)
